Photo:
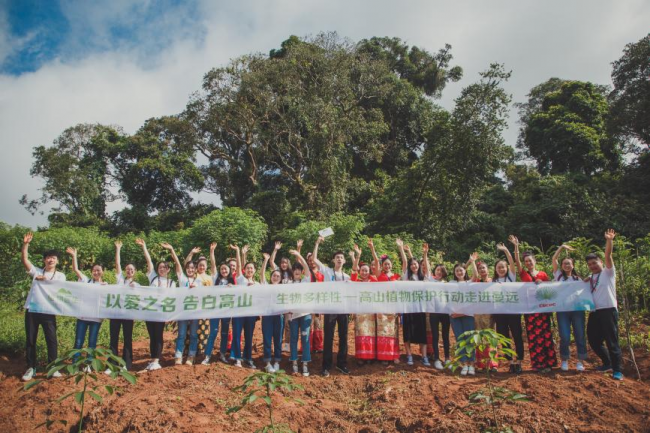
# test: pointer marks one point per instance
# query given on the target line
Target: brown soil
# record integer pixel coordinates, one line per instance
(374, 398)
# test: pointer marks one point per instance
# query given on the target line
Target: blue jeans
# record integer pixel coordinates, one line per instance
(272, 328)
(566, 320)
(80, 334)
(247, 324)
(214, 330)
(461, 325)
(194, 337)
(300, 328)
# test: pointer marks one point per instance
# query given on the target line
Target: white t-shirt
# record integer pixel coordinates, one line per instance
(184, 281)
(330, 275)
(156, 281)
(603, 288)
(243, 281)
(35, 272)
(123, 281)
(85, 279)
(414, 277)
(558, 276)
(511, 278)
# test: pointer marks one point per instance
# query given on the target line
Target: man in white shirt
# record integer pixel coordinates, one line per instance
(34, 320)
(603, 322)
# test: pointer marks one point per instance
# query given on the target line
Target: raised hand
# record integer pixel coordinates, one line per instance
(299, 243)
(118, 244)
(610, 234)
(71, 251)
(568, 247)
(473, 257)
(407, 248)
(513, 240)
(320, 240)
(166, 246)
(371, 245)
(501, 247)
(266, 256)
(245, 249)
(357, 249)
(294, 252)
(425, 248)
(278, 245)
(140, 242)
(234, 247)
(28, 237)
(213, 246)
(195, 250)
(400, 243)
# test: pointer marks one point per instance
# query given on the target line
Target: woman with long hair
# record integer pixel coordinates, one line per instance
(299, 325)
(365, 325)
(481, 274)
(461, 323)
(439, 323)
(247, 324)
(272, 326)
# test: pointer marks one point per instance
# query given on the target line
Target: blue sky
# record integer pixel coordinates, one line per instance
(121, 62)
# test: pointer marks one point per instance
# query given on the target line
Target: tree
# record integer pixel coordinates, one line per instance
(630, 98)
(567, 132)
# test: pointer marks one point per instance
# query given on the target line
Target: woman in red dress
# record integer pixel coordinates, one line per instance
(539, 326)
(365, 325)
(317, 333)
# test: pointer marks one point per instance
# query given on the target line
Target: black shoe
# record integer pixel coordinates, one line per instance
(604, 368)
(360, 363)
(325, 373)
(512, 368)
(518, 369)
(343, 370)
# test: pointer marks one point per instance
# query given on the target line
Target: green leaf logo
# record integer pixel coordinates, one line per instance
(545, 294)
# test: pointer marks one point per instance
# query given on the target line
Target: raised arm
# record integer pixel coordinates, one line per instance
(511, 262)
(264, 265)
(515, 242)
(118, 262)
(190, 255)
(177, 262)
(356, 258)
(426, 267)
(277, 246)
(472, 264)
(315, 253)
(213, 261)
(402, 254)
(556, 257)
(244, 253)
(147, 256)
(375, 258)
(299, 245)
(24, 255)
(237, 258)
(609, 248)
(75, 264)
(407, 248)
(306, 270)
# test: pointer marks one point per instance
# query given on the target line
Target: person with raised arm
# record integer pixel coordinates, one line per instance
(85, 325)
(509, 325)
(461, 323)
(287, 275)
(481, 274)
(34, 320)
(438, 322)
(332, 320)
(300, 324)
(365, 325)
(317, 336)
(272, 326)
(414, 325)
(539, 326)
(602, 326)
(569, 319)
(158, 277)
(125, 278)
(202, 279)
(387, 324)
(222, 277)
(185, 279)
(247, 324)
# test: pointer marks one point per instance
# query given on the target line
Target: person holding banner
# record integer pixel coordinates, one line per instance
(247, 324)
(568, 319)
(299, 325)
(317, 335)
(84, 324)
(387, 324)
(414, 325)
(437, 320)
(158, 277)
(189, 280)
(509, 325)
(332, 320)
(603, 322)
(287, 277)
(365, 325)
(539, 326)
(123, 279)
(202, 279)
(272, 326)
(222, 278)
(461, 323)
(34, 320)
(480, 273)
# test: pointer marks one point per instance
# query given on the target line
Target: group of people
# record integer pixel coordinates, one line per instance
(376, 335)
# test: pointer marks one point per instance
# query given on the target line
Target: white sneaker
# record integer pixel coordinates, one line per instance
(56, 374)
(580, 366)
(305, 370)
(425, 362)
(269, 368)
(108, 372)
(463, 371)
(154, 366)
(251, 365)
(438, 365)
(276, 366)
(564, 366)
(295, 367)
(223, 359)
(190, 360)
(87, 369)
(177, 361)
(409, 360)
(238, 363)
(29, 374)
(471, 370)
(206, 361)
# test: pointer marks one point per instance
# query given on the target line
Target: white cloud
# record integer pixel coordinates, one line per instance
(537, 40)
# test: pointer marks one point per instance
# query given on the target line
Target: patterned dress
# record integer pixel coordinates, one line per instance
(317, 334)
(365, 331)
(387, 329)
(539, 328)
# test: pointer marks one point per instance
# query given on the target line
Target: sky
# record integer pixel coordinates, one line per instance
(120, 62)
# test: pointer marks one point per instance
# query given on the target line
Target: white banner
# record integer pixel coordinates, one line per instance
(206, 302)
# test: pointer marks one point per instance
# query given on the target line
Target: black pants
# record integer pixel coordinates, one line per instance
(436, 319)
(603, 328)
(330, 323)
(127, 350)
(32, 322)
(155, 330)
(509, 325)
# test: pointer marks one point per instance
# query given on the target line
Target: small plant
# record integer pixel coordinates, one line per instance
(469, 343)
(82, 365)
(261, 385)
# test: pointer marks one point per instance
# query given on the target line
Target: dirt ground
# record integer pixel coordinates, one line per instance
(374, 398)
